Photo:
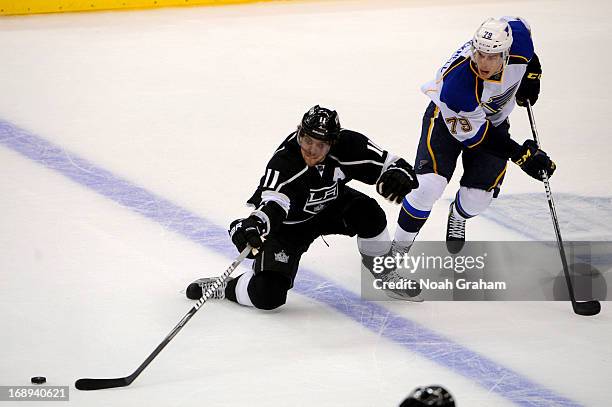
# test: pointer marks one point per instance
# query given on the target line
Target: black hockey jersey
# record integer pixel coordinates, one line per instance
(304, 191)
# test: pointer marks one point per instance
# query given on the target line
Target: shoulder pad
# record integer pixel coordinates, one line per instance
(460, 90)
(522, 44)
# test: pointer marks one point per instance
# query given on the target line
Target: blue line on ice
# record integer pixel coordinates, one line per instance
(409, 334)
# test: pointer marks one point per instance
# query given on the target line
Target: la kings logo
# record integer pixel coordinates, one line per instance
(318, 198)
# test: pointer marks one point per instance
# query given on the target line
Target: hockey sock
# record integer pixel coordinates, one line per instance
(236, 289)
(375, 246)
(404, 237)
(416, 206)
(458, 213)
(411, 219)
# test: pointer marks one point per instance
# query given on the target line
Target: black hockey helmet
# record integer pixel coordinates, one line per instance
(320, 123)
(435, 396)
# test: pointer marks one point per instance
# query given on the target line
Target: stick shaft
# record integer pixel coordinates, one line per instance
(95, 384)
(553, 211)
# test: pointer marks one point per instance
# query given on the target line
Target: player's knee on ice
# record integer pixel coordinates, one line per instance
(268, 290)
(365, 217)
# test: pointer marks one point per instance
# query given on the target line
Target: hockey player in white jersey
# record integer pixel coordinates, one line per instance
(471, 98)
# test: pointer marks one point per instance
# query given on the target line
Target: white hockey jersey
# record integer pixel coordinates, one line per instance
(471, 105)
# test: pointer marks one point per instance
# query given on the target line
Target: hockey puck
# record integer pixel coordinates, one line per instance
(38, 379)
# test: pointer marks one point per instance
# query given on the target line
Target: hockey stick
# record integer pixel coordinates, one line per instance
(95, 384)
(586, 308)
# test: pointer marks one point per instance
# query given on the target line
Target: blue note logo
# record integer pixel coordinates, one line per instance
(496, 103)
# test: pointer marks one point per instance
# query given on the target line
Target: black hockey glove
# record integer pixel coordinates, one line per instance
(397, 181)
(533, 161)
(530, 84)
(248, 231)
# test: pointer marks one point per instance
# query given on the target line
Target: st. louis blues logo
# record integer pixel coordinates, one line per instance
(497, 103)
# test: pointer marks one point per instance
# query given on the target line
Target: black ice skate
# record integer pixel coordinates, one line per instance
(455, 231)
(392, 276)
(196, 290)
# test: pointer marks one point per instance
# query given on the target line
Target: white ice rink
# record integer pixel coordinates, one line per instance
(130, 140)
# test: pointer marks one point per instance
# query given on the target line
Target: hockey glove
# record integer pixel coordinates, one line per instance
(248, 231)
(530, 84)
(397, 181)
(533, 161)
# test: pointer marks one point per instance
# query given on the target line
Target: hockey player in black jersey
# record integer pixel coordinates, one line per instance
(303, 195)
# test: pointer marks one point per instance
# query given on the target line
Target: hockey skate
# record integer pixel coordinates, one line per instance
(196, 290)
(400, 248)
(455, 231)
(392, 276)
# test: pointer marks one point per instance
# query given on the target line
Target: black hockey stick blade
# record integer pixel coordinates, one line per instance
(97, 384)
(587, 308)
